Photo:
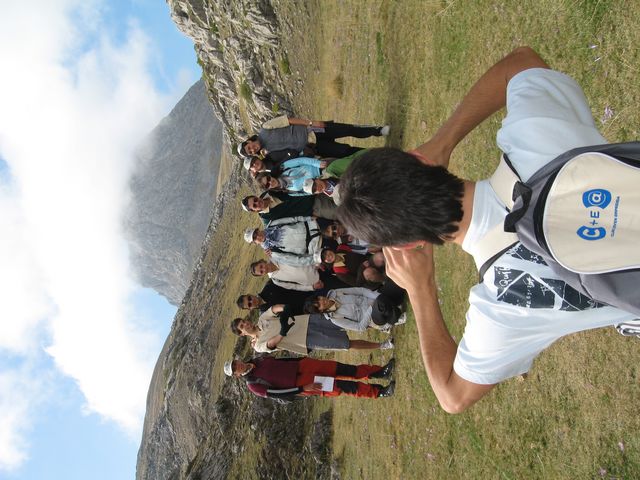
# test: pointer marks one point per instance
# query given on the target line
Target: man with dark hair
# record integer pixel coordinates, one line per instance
(521, 306)
(304, 278)
(286, 378)
(320, 136)
(274, 205)
(272, 294)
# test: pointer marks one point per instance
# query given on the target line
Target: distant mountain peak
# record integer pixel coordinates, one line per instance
(172, 194)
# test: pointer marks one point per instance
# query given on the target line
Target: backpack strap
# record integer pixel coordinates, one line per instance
(504, 180)
(496, 241)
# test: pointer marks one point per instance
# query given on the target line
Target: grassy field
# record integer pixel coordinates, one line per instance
(407, 63)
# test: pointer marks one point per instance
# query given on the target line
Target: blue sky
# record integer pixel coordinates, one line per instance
(78, 336)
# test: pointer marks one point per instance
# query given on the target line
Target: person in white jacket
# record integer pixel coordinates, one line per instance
(302, 278)
(290, 240)
(357, 309)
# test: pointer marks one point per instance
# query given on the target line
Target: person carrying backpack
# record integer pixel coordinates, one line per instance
(522, 305)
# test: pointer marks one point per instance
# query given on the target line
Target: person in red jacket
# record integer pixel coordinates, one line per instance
(285, 378)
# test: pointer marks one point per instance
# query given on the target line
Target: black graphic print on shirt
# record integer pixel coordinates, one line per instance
(517, 287)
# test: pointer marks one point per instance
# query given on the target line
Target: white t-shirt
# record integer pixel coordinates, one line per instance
(522, 307)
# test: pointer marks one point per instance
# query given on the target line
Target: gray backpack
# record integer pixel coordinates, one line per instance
(581, 213)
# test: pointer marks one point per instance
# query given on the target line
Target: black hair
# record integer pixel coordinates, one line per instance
(251, 267)
(245, 201)
(323, 223)
(234, 326)
(259, 176)
(388, 197)
(240, 301)
(310, 306)
(252, 138)
(322, 253)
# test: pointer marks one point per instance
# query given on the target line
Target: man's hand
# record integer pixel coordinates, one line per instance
(312, 387)
(274, 341)
(434, 152)
(318, 285)
(277, 308)
(267, 252)
(323, 164)
(410, 268)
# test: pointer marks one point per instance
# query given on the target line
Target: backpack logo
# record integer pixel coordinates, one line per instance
(598, 197)
(594, 200)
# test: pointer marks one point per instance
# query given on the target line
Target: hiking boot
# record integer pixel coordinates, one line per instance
(387, 391)
(387, 344)
(386, 371)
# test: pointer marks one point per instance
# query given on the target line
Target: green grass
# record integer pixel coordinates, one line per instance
(245, 92)
(285, 68)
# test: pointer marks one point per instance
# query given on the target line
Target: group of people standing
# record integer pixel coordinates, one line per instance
(323, 282)
(326, 276)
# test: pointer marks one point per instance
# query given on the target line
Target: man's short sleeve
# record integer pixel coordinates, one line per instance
(547, 114)
(278, 122)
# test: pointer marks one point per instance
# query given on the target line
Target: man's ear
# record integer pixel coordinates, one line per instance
(411, 245)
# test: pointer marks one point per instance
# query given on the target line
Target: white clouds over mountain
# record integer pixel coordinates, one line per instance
(76, 100)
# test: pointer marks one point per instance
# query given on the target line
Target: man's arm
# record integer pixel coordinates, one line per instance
(306, 123)
(413, 270)
(293, 259)
(487, 96)
(274, 341)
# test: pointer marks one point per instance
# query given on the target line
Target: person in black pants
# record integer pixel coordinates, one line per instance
(272, 294)
(316, 136)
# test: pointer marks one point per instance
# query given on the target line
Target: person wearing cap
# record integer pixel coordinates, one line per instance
(299, 334)
(291, 175)
(268, 162)
(287, 378)
(273, 205)
(327, 186)
(294, 133)
(292, 240)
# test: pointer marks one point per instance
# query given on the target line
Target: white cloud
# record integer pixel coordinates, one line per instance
(74, 105)
(19, 395)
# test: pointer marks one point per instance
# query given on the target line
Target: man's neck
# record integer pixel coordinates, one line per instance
(467, 211)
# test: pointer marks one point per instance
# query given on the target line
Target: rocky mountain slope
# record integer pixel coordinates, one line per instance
(245, 66)
(173, 191)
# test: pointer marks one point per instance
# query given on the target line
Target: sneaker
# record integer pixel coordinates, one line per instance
(384, 131)
(387, 391)
(386, 328)
(402, 319)
(386, 371)
(387, 344)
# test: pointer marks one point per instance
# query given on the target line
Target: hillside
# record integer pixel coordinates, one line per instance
(172, 194)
